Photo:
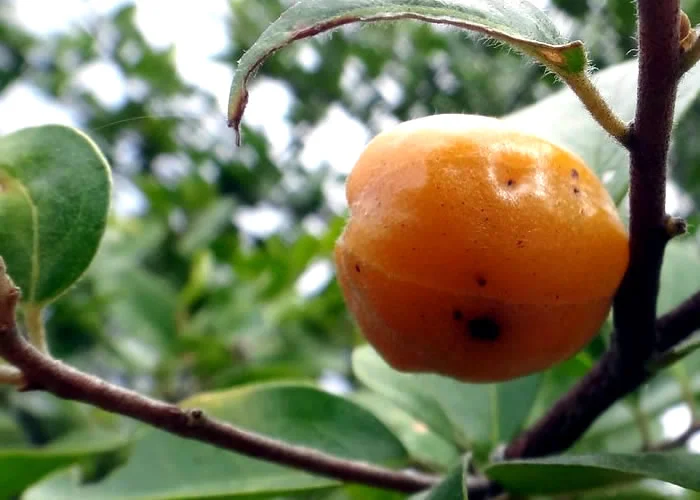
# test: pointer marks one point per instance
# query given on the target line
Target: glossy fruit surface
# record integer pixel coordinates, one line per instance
(476, 251)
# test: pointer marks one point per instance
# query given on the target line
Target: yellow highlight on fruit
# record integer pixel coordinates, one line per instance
(477, 251)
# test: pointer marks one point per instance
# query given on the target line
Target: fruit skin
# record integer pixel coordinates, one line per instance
(476, 251)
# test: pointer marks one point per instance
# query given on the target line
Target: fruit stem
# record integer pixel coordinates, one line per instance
(591, 98)
(35, 328)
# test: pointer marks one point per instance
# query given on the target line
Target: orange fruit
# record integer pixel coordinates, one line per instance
(477, 251)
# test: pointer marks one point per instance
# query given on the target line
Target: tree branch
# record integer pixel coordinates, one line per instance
(659, 68)
(624, 367)
(44, 373)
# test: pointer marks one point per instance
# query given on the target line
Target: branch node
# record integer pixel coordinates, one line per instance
(194, 417)
(675, 226)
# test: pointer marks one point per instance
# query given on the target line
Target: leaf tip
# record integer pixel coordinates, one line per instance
(236, 108)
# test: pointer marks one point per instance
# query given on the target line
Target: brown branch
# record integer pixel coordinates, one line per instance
(44, 373)
(624, 367)
(659, 66)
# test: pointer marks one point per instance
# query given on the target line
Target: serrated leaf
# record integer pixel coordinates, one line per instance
(474, 415)
(562, 118)
(54, 199)
(516, 22)
(167, 466)
(572, 473)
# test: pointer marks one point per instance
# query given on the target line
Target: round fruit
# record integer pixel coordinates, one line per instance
(476, 251)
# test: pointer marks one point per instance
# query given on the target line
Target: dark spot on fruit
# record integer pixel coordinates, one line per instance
(574, 173)
(556, 297)
(576, 190)
(457, 315)
(483, 328)
(520, 244)
(357, 267)
(481, 281)
(510, 182)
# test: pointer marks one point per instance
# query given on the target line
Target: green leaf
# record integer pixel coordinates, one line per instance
(22, 467)
(167, 466)
(518, 23)
(54, 199)
(563, 119)
(452, 488)
(680, 278)
(424, 445)
(11, 434)
(571, 473)
(480, 415)
(680, 274)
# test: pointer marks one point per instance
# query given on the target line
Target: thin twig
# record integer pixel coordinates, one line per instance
(42, 372)
(624, 367)
(598, 107)
(678, 442)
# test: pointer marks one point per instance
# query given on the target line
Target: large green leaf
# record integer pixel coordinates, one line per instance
(423, 444)
(571, 473)
(480, 415)
(24, 466)
(516, 22)
(54, 198)
(563, 119)
(167, 466)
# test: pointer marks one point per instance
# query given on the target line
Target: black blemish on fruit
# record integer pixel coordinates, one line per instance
(520, 244)
(574, 173)
(510, 182)
(481, 281)
(357, 267)
(457, 315)
(576, 190)
(483, 328)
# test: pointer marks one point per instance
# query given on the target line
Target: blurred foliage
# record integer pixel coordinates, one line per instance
(187, 295)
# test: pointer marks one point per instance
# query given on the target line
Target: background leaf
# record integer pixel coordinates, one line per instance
(167, 466)
(22, 467)
(452, 488)
(571, 473)
(474, 415)
(54, 199)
